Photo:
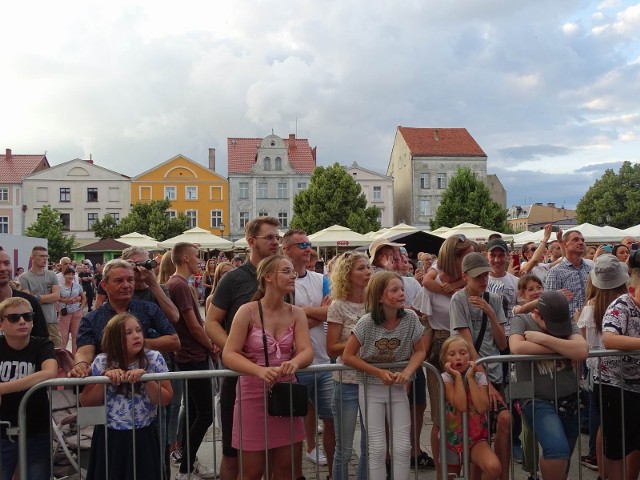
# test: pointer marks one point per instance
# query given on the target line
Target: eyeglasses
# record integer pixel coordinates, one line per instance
(461, 237)
(289, 272)
(302, 245)
(15, 317)
(270, 238)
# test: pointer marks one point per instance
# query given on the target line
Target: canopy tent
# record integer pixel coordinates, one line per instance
(338, 236)
(440, 230)
(135, 239)
(373, 235)
(200, 236)
(473, 232)
(397, 230)
(632, 231)
(525, 237)
(595, 234)
(419, 241)
(614, 232)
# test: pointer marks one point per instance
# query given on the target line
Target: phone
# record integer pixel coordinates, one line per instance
(555, 228)
(634, 246)
(421, 264)
(607, 248)
(516, 259)
(320, 267)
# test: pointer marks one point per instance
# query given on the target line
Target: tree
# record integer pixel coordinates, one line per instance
(468, 199)
(106, 228)
(614, 199)
(49, 225)
(333, 197)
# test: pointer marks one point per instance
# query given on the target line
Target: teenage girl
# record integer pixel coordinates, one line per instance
(125, 360)
(466, 390)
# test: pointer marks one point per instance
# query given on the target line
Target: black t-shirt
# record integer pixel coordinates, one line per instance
(87, 285)
(15, 364)
(234, 290)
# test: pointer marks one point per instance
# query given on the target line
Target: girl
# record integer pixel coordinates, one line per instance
(72, 302)
(207, 277)
(125, 360)
(387, 333)
(621, 252)
(466, 390)
(221, 269)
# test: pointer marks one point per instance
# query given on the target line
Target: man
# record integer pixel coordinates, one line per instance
(234, 290)
(43, 285)
(62, 266)
(236, 261)
(312, 294)
(571, 273)
(86, 281)
(628, 242)
(194, 354)
(6, 291)
(501, 282)
(118, 282)
(555, 251)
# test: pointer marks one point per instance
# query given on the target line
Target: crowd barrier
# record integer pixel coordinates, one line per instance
(97, 415)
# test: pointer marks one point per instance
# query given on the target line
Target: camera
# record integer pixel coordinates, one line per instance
(148, 264)
(634, 259)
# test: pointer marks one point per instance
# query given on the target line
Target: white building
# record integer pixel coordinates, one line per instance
(378, 188)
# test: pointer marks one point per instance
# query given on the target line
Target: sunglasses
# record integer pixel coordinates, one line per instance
(303, 245)
(15, 317)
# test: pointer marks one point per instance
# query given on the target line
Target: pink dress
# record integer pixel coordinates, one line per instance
(250, 406)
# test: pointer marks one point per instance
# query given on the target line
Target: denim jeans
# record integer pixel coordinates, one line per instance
(38, 457)
(556, 433)
(345, 413)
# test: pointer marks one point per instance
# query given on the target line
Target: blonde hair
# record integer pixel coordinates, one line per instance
(217, 275)
(447, 343)
(12, 302)
(167, 268)
(266, 266)
(341, 274)
(450, 251)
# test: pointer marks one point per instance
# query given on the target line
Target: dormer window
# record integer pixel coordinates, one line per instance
(267, 163)
(278, 163)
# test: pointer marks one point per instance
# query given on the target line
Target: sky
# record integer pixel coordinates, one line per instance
(549, 89)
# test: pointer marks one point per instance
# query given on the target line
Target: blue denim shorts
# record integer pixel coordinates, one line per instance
(320, 385)
(555, 430)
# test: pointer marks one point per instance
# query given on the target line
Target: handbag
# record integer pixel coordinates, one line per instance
(284, 399)
(64, 312)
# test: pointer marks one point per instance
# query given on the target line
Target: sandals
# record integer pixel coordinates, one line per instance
(423, 462)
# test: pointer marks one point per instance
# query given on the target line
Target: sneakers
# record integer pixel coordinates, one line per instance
(176, 456)
(589, 462)
(187, 476)
(517, 453)
(423, 461)
(321, 458)
(203, 471)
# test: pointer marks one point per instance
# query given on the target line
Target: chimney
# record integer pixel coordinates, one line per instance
(292, 138)
(551, 204)
(90, 159)
(212, 159)
(8, 153)
(435, 135)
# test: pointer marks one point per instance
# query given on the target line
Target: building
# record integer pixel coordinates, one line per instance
(535, 216)
(264, 176)
(82, 192)
(422, 162)
(13, 204)
(199, 192)
(378, 189)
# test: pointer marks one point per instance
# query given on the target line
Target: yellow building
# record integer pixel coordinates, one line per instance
(199, 192)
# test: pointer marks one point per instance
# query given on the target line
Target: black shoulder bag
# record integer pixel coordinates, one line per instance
(483, 328)
(284, 399)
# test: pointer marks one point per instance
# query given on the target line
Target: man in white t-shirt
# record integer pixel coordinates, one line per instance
(502, 282)
(312, 294)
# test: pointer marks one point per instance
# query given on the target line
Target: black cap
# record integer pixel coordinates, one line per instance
(497, 243)
(553, 308)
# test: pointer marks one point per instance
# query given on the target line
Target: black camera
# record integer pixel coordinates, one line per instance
(148, 264)
(634, 259)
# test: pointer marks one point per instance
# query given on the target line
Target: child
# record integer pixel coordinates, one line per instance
(466, 390)
(125, 360)
(387, 333)
(24, 362)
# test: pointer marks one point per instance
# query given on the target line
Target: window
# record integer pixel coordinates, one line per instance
(92, 194)
(377, 194)
(4, 224)
(191, 193)
(267, 163)
(282, 190)
(66, 221)
(278, 163)
(425, 207)
(192, 215)
(91, 219)
(244, 190)
(4, 195)
(114, 194)
(42, 194)
(437, 203)
(171, 214)
(115, 216)
(442, 181)
(425, 181)
(170, 193)
(283, 218)
(302, 186)
(262, 190)
(244, 219)
(65, 194)
(263, 213)
(216, 218)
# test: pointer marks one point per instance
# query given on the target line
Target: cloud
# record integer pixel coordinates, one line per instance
(534, 152)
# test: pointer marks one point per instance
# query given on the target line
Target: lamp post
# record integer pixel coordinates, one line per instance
(221, 228)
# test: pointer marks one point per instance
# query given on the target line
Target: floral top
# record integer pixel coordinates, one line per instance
(119, 405)
(346, 314)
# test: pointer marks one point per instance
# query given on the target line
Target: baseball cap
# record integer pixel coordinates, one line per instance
(474, 264)
(379, 243)
(608, 272)
(553, 307)
(497, 243)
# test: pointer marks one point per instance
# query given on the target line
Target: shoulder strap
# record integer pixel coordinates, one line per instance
(264, 335)
(478, 343)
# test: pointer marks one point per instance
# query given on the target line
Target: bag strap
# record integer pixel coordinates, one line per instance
(478, 343)
(264, 335)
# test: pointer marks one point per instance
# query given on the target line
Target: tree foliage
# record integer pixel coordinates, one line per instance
(468, 199)
(147, 218)
(49, 225)
(333, 197)
(614, 199)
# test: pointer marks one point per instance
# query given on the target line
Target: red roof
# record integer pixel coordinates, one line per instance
(242, 154)
(441, 142)
(13, 168)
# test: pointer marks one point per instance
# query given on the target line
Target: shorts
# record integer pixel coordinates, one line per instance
(227, 404)
(320, 385)
(614, 418)
(419, 386)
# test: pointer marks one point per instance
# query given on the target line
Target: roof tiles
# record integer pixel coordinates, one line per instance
(13, 168)
(242, 154)
(441, 142)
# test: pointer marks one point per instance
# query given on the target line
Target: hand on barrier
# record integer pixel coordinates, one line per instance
(80, 370)
(387, 377)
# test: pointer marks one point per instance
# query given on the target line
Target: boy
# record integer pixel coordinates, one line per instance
(24, 362)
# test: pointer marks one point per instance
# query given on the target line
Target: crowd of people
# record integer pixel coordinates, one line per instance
(271, 314)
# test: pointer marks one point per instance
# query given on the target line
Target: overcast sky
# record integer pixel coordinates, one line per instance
(550, 89)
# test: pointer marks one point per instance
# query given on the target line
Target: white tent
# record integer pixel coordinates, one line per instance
(438, 231)
(473, 232)
(397, 229)
(595, 234)
(338, 236)
(632, 231)
(136, 239)
(200, 236)
(525, 237)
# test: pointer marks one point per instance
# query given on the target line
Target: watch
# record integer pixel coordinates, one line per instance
(37, 298)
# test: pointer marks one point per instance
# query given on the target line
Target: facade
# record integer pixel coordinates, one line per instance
(422, 162)
(264, 176)
(498, 193)
(378, 189)
(535, 216)
(13, 204)
(199, 192)
(82, 192)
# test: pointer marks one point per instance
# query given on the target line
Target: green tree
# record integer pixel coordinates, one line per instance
(614, 199)
(49, 225)
(150, 218)
(468, 199)
(106, 228)
(333, 197)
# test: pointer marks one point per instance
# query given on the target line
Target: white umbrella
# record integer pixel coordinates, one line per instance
(396, 230)
(338, 236)
(473, 232)
(200, 236)
(438, 231)
(632, 231)
(136, 239)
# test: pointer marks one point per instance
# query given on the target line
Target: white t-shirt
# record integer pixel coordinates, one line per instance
(507, 287)
(309, 293)
(411, 289)
(435, 306)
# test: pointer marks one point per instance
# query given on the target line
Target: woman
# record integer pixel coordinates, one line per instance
(207, 277)
(167, 268)
(621, 252)
(285, 330)
(221, 269)
(349, 279)
(72, 302)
